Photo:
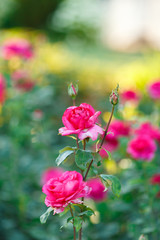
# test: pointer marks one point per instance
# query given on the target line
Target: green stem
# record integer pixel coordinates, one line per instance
(74, 230)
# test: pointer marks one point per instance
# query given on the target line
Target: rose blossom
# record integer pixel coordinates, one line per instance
(120, 128)
(150, 130)
(142, 147)
(82, 121)
(154, 90)
(22, 80)
(129, 95)
(110, 144)
(97, 193)
(17, 47)
(155, 179)
(49, 173)
(65, 189)
(2, 89)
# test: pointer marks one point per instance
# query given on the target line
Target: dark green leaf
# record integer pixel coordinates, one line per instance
(82, 158)
(77, 223)
(44, 216)
(113, 182)
(70, 219)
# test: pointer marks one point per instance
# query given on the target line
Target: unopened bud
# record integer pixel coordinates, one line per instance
(114, 97)
(72, 90)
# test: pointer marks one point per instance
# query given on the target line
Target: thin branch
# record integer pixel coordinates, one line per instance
(74, 230)
(106, 130)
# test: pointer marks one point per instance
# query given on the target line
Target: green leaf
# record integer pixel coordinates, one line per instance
(62, 156)
(44, 216)
(66, 149)
(70, 219)
(89, 213)
(82, 158)
(77, 223)
(113, 182)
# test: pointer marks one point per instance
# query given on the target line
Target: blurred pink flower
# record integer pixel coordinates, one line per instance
(142, 147)
(97, 193)
(129, 95)
(17, 47)
(67, 188)
(148, 129)
(22, 81)
(49, 173)
(120, 128)
(155, 179)
(2, 89)
(82, 121)
(110, 144)
(154, 90)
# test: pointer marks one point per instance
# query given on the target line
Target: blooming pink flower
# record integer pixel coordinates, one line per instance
(22, 80)
(155, 179)
(49, 173)
(2, 89)
(142, 147)
(154, 90)
(97, 193)
(67, 188)
(120, 128)
(82, 121)
(110, 144)
(129, 95)
(150, 130)
(17, 47)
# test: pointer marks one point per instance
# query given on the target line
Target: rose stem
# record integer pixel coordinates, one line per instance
(74, 102)
(77, 141)
(74, 230)
(105, 133)
(107, 127)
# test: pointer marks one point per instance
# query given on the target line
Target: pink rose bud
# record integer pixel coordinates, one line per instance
(68, 188)
(114, 97)
(72, 90)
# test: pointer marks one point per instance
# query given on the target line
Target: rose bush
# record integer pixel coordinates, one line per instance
(81, 121)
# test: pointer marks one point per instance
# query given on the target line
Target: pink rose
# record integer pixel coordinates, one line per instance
(17, 47)
(2, 89)
(154, 90)
(142, 147)
(150, 130)
(120, 128)
(110, 144)
(155, 179)
(67, 188)
(97, 193)
(49, 173)
(22, 81)
(82, 121)
(129, 95)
